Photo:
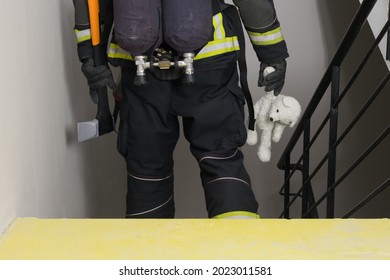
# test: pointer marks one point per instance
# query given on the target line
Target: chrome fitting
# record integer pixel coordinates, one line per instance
(142, 64)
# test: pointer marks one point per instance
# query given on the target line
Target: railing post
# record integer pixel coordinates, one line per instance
(305, 167)
(332, 141)
(286, 212)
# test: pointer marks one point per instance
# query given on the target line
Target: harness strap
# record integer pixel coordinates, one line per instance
(108, 16)
(232, 13)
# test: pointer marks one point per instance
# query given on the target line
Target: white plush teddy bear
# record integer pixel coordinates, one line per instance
(272, 114)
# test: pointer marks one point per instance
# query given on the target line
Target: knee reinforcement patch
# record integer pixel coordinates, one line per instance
(149, 197)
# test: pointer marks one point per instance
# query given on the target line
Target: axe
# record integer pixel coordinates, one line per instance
(103, 122)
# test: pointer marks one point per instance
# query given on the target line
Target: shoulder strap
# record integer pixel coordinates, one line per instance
(108, 17)
(216, 6)
(107, 14)
(232, 13)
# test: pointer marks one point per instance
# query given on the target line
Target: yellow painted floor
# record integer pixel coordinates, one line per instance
(196, 239)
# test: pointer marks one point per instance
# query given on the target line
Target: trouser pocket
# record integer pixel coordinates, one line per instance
(123, 131)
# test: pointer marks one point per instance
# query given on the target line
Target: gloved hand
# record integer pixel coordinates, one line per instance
(97, 77)
(275, 80)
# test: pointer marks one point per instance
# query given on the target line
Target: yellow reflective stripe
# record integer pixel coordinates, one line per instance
(83, 35)
(115, 51)
(213, 48)
(219, 30)
(267, 38)
(243, 214)
(217, 47)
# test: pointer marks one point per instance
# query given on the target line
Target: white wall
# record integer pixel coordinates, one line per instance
(44, 172)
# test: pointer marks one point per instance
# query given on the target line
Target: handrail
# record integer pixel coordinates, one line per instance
(357, 23)
(388, 37)
(351, 168)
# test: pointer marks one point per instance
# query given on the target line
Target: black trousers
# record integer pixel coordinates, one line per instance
(212, 111)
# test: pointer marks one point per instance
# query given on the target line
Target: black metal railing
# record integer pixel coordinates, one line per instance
(331, 79)
(388, 37)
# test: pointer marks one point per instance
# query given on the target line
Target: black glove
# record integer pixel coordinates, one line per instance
(97, 77)
(275, 80)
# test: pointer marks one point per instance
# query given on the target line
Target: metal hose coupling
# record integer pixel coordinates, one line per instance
(164, 61)
(142, 64)
(188, 65)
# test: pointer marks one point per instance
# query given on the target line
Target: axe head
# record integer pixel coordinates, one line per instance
(87, 130)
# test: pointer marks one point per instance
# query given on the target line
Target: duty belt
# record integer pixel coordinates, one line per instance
(168, 62)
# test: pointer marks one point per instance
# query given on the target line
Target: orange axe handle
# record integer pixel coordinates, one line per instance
(93, 7)
(103, 115)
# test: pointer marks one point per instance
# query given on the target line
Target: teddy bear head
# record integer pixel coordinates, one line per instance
(285, 110)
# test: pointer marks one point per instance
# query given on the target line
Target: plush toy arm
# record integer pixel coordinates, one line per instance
(277, 132)
(264, 150)
(252, 137)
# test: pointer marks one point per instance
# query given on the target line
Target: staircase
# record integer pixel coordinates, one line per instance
(196, 239)
(320, 179)
(320, 182)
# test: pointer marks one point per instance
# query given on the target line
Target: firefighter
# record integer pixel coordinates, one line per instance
(208, 99)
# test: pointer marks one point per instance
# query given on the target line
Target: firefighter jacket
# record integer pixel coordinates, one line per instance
(259, 18)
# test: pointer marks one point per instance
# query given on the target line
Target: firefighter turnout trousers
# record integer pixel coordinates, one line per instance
(212, 111)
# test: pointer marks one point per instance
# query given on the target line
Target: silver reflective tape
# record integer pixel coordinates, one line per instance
(214, 157)
(149, 179)
(227, 178)
(151, 210)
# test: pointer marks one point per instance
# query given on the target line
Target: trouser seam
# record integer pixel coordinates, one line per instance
(219, 157)
(227, 178)
(149, 179)
(151, 210)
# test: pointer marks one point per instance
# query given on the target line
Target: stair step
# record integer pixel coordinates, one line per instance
(196, 239)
